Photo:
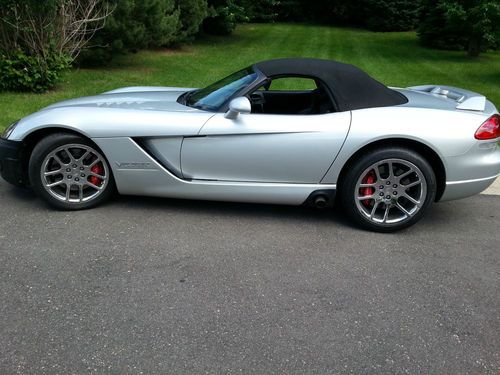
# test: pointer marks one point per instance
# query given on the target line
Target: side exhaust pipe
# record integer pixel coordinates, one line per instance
(321, 201)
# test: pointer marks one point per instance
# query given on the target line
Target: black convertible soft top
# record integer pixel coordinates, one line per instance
(350, 86)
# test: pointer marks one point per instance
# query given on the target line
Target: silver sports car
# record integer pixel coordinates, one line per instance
(287, 131)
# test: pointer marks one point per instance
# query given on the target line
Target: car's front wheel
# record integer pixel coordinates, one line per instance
(69, 172)
(388, 189)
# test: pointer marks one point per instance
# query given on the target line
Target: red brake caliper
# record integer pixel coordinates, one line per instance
(367, 191)
(97, 169)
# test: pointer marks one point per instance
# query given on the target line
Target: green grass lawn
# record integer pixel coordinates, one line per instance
(393, 58)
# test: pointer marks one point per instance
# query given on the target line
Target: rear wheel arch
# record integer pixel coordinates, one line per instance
(425, 151)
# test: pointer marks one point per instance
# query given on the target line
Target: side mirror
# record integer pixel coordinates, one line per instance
(237, 106)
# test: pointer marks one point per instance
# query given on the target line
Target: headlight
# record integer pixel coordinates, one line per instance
(9, 130)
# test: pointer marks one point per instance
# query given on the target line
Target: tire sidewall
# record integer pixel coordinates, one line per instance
(40, 152)
(349, 182)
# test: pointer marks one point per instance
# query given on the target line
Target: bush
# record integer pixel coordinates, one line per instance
(20, 72)
(39, 39)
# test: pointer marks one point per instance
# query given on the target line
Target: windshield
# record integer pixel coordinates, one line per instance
(211, 98)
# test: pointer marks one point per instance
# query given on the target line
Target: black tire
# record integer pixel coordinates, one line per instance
(52, 143)
(348, 188)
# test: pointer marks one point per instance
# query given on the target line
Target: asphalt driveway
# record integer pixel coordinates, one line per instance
(163, 286)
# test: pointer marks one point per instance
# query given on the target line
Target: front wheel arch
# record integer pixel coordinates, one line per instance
(32, 139)
(47, 151)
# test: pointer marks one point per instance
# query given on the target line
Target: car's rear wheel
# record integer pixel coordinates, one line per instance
(388, 189)
(69, 172)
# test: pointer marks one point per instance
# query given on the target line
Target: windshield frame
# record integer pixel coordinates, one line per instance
(240, 91)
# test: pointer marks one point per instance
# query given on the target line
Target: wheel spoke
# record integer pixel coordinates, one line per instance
(377, 172)
(374, 209)
(367, 185)
(411, 199)
(94, 162)
(88, 183)
(402, 209)
(102, 177)
(80, 193)
(391, 172)
(53, 173)
(58, 160)
(53, 184)
(82, 158)
(366, 197)
(386, 213)
(68, 191)
(70, 155)
(411, 184)
(405, 174)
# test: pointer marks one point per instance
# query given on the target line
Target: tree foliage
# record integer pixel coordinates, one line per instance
(192, 14)
(473, 25)
(224, 15)
(378, 15)
(134, 25)
(390, 15)
(260, 10)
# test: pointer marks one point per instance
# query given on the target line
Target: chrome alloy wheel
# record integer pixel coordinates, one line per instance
(74, 173)
(390, 191)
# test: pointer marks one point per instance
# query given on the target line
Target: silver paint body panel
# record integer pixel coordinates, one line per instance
(158, 147)
(266, 148)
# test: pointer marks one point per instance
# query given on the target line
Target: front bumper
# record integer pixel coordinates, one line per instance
(10, 161)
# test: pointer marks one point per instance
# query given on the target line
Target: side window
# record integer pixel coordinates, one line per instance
(291, 96)
(293, 84)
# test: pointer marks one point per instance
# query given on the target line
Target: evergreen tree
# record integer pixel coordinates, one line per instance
(260, 10)
(134, 25)
(225, 14)
(192, 14)
(390, 15)
(460, 24)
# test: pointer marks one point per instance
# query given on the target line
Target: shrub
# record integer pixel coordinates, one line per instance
(21, 72)
(39, 39)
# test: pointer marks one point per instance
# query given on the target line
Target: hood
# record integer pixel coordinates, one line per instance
(154, 99)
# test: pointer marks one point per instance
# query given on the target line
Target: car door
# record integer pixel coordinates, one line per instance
(265, 147)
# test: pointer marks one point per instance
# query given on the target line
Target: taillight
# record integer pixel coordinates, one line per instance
(490, 128)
